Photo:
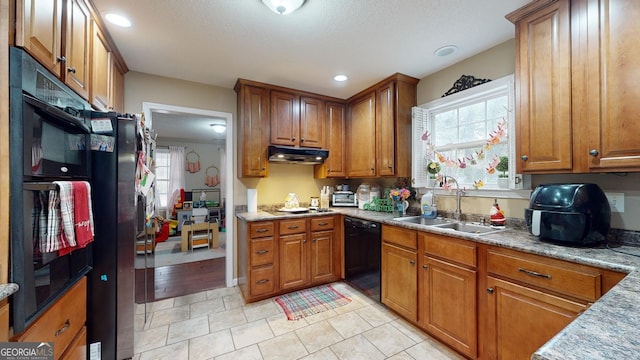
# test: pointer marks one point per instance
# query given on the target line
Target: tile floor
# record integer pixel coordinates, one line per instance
(216, 324)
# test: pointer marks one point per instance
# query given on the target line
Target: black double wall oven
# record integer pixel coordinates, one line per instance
(49, 135)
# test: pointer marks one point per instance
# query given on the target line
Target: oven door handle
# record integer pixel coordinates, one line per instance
(60, 116)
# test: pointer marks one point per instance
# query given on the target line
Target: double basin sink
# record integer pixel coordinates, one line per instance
(445, 224)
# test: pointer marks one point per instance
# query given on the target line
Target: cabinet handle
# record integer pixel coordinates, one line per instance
(61, 59)
(412, 262)
(71, 70)
(534, 273)
(373, 169)
(593, 152)
(293, 227)
(524, 157)
(262, 230)
(314, 240)
(263, 281)
(304, 241)
(262, 252)
(425, 266)
(323, 224)
(293, 138)
(490, 290)
(302, 140)
(64, 328)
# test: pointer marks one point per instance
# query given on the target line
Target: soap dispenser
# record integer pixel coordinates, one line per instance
(428, 206)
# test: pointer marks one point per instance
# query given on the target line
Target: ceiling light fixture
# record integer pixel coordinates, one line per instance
(340, 78)
(445, 50)
(283, 7)
(219, 128)
(117, 20)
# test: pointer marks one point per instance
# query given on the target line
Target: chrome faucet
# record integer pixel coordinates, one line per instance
(459, 193)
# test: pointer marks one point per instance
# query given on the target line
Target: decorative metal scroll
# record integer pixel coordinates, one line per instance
(465, 82)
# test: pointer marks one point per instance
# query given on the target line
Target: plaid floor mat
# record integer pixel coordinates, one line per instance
(311, 301)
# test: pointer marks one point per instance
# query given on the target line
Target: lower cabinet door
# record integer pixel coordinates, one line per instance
(520, 320)
(293, 261)
(322, 261)
(400, 280)
(448, 304)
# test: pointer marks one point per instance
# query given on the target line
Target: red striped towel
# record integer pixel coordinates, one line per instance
(56, 238)
(82, 216)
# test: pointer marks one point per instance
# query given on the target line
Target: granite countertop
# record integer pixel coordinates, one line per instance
(7, 290)
(606, 330)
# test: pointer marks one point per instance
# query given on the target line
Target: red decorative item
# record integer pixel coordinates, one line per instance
(497, 215)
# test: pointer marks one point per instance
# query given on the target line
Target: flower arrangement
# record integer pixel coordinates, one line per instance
(405, 183)
(399, 194)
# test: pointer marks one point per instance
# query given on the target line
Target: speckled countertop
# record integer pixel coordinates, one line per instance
(607, 330)
(7, 290)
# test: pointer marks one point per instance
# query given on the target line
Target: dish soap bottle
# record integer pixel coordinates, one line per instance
(496, 215)
(428, 206)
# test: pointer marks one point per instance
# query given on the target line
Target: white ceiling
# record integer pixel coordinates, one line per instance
(218, 41)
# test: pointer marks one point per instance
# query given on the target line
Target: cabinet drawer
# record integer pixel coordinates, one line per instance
(399, 236)
(263, 281)
(262, 251)
(322, 223)
(261, 229)
(563, 277)
(460, 251)
(293, 226)
(62, 321)
(78, 348)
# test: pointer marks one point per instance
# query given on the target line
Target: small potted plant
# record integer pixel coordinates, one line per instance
(433, 168)
(503, 177)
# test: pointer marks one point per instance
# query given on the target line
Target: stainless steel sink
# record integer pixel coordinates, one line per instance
(448, 224)
(422, 221)
(468, 228)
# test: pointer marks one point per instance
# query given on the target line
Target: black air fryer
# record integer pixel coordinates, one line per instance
(569, 214)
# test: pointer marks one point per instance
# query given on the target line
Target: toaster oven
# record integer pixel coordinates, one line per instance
(344, 198)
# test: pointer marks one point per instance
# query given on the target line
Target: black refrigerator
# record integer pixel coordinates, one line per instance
(110, 307)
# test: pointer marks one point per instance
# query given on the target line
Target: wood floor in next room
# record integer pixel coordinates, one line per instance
(181, 279)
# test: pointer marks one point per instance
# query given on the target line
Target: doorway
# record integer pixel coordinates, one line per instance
(190, 124)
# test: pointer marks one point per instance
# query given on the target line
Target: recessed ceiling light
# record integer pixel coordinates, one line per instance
(283, 7)
(445, 50)
(340, 78)
(219, 128)
(117, 20)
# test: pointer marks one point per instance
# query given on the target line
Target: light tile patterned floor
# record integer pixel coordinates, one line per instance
(218, 325)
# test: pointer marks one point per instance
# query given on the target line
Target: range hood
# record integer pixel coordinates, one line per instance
(297, 155)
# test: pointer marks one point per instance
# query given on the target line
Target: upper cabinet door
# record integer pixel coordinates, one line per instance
(335, 120)
(612, 58)
(101, 63)
(385, 125)
(253, 129)
(78, 38)
(543, 90)
(361, 135)
(285, 119)
(39, 31)
(311, 122)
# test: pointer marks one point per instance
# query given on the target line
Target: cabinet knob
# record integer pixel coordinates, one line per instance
(304, 241)
(425, 266)
(593, 152)
(314, 240)
(71, 70)
(490, 290)
(293, 139)
(390, 166)
(412, 262)
(524, 157)
(302, 140)
(61, 59)
(373, 169)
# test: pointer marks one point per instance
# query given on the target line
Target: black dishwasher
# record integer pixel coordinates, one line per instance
(362, 253)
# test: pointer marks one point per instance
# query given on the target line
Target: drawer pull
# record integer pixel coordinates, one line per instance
(412, 262)
(263, 281)
(293, 227)
(490, 290)
(323, 224)
(262, 230)
(64, 327)
(533, 273)
(262, 252)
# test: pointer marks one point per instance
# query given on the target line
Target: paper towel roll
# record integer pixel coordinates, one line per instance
(252, 200)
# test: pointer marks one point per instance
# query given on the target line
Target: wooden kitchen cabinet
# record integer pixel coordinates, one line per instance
(257, 259)
(63, 324)
(324, 257)
(253, 129)
(296, 120)
(72, 47)
(379, 128)
(530, 298)
(447, 291)
(294, 253)
(575, 95)
(399, 274)
(335, 125)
